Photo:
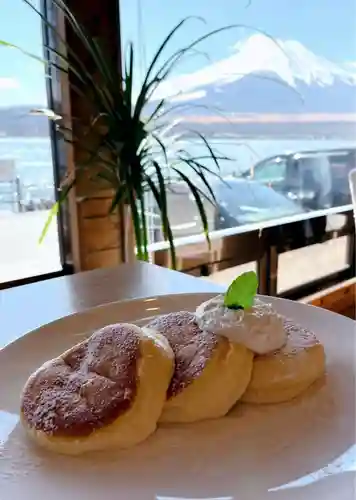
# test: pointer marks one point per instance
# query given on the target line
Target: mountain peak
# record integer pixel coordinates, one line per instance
(287, 61)
(290, 60)
(257, 42)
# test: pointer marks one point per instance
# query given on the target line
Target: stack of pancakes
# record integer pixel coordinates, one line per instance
(111, 389)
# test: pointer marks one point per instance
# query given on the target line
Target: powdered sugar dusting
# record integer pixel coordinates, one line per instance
(302, 337)
(192, 347)
(87, 387)
(298, 339)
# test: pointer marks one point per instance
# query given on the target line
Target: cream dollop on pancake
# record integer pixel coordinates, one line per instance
(259, 328)
(107, 391)
(289, 371)
(210, 374)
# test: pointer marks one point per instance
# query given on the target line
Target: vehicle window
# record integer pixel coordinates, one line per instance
(247, 193)
(273, 170)
(316, 181)
(340, 166)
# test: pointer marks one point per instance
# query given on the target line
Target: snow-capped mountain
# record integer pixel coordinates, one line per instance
(263, 75)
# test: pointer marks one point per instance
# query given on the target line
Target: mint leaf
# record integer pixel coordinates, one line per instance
(242, 291)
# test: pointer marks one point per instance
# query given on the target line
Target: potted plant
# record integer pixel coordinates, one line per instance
(131, 156)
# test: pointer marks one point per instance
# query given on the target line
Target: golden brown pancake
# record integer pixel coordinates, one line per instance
(288, 372)
(106, 391)
(210, 372)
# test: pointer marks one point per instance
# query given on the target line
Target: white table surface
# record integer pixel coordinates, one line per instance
(25, 308)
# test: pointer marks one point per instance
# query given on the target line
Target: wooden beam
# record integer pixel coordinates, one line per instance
(96, 238)
(340, 298)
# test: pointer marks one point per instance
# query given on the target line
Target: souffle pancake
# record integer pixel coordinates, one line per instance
(210, 375)
(287, 372)
(106, 392)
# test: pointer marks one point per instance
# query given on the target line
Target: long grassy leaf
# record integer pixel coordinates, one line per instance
(154, 114)
(161, 145)
(161, 200)
(97, 89)
(77, 27)
(149, 86)
(203, 179)
(28, 54)
(89, 42)
(142, 97)
(55, 209)
(208, 170)
(69, 67)
(210, 149)
(195, 192)
(119, 197)
(206, 157)
(105, 88)
(128, 78)
(110, 73)
(141, 200)
(165, 42)
(44, 19)
(181, 106)
(173, 60)
(94, 156)
(94, 50)
(136, 221)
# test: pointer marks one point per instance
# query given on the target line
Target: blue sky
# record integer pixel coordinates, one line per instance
(327, 27)
(21, 79)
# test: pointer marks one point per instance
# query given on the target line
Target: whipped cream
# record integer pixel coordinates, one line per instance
(260, 328)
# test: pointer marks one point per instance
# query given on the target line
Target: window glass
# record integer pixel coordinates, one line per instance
(279, 86)
(26, 168)
(273, 170)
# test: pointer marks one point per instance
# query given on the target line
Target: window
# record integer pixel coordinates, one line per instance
(26, 167)
(278, 100)
(263, 97)
(270, 171)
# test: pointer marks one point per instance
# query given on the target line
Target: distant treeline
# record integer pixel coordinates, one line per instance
(18, 122)
(331, 130)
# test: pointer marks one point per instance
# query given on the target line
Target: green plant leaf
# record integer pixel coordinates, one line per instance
(136, 222)
(128, 78)
(242, 291)
(55, 209)
(144, 249)
(160, 196)
(28, 54)
(198, 195)
(119, 196)
(142, 97)
(53, 213)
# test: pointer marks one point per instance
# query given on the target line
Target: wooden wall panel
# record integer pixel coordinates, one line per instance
(340, 299)
(96, 238)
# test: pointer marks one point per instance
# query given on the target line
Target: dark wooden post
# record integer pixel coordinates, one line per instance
(97, 239)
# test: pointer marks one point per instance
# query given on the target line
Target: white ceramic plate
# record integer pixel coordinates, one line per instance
(304, 449)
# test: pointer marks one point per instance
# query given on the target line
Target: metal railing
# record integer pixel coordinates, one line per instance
(264, 243)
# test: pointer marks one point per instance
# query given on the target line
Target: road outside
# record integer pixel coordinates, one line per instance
(21, 255)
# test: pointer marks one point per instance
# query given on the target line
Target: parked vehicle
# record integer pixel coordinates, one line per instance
(314, 179)
(277, 187)
(287, 185)
(243, 201)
